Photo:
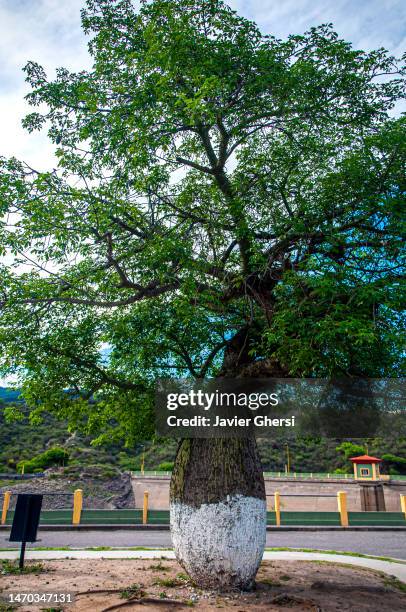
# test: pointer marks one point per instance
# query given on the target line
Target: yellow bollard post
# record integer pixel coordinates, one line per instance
(403, 504)
(145, 509)
(277, 508)
(342, 508)
(6, 504)
(77, 506)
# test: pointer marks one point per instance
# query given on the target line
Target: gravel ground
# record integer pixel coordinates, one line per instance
(104, 585)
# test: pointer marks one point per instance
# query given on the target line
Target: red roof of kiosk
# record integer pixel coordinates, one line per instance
(365, 459)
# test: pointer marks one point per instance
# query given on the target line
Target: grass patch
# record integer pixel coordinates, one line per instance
(392, 581)
(184, 579)
(359, 568)
(133, 591)
(169, 583)
(158, 567)
(388, 580)
(6, 607)
(345, 553)
(10, 568)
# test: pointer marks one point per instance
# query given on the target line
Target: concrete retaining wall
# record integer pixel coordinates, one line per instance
(158, 487)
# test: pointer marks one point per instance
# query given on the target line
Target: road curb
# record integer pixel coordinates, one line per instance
(97, 527)
(165, 527)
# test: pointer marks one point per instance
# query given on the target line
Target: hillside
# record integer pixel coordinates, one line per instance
(22, 441)
(306, 455)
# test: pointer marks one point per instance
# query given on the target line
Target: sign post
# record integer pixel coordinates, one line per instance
(25, 521)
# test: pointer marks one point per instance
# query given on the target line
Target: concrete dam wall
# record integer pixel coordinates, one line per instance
(299, 494)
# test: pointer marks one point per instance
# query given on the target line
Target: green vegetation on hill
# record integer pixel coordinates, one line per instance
(23, 442)
(306, 455)
(52, 457)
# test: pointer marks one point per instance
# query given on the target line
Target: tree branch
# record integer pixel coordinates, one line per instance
(192, 164)
(152, 290)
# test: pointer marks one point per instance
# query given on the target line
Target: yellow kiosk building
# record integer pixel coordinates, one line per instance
(366, 467)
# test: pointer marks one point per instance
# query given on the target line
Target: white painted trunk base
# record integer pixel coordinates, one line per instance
(220, 545)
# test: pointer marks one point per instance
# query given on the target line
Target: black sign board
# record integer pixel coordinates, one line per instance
(26, 520)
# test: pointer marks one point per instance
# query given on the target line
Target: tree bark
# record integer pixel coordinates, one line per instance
(218, 503)
(218, 511)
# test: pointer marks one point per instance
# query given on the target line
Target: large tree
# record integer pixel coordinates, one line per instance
(225, 203)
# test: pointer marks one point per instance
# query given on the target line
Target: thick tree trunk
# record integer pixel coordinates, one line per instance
(218, 503)
(218, 511)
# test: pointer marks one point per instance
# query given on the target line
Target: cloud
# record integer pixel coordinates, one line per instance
(48, 32)
(368, 24)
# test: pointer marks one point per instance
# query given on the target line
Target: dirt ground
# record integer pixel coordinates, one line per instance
(134, 584)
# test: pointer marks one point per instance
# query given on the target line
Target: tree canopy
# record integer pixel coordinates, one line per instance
(219, 192)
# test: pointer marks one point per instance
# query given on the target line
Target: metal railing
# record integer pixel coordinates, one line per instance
(292, 475)
(76, 510)
(317, 475)
(76, 515)
(151, 473)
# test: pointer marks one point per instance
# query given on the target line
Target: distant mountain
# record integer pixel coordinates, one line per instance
(9, 395)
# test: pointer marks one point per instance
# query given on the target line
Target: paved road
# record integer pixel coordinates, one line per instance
(387, 543)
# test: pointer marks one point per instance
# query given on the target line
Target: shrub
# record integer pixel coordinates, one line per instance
(53, 456)
(165, 466)
(393, 464)
(128, 463)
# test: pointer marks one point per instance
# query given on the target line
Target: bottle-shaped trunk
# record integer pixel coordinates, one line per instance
(218, 511)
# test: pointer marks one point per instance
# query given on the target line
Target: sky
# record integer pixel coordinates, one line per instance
(49, 32)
